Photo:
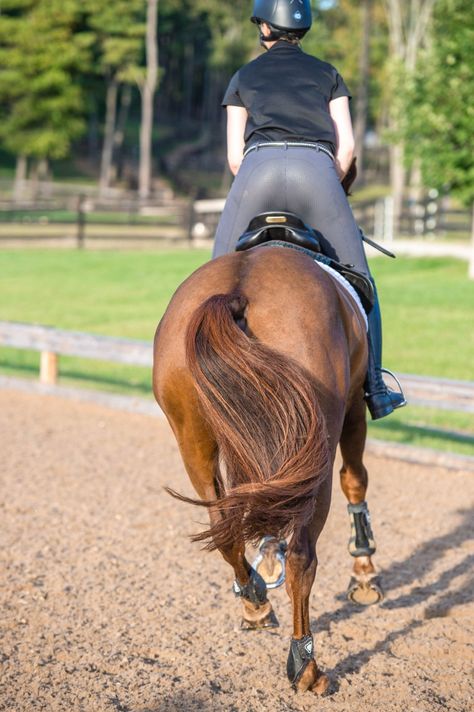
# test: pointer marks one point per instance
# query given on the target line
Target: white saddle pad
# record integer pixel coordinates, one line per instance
(344, 283)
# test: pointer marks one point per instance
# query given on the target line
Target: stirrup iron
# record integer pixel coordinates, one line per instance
(400, 389)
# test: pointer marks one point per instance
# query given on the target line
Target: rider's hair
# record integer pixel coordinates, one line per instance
(291, 36)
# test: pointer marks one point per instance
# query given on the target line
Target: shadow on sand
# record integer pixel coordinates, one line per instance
(414, 567)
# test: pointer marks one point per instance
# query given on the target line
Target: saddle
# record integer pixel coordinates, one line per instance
(286, 229)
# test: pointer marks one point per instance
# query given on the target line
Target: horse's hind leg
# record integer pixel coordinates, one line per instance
(364, 587)
(302, 671)
(200, 456)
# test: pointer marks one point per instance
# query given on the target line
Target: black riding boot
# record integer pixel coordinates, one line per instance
(381, 400)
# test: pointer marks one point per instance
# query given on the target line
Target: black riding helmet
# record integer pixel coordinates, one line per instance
(285, 17)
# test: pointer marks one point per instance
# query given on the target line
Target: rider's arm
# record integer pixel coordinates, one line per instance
(236, 120)
(341, 116)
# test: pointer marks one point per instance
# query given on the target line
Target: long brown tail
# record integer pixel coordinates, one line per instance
(263, 409)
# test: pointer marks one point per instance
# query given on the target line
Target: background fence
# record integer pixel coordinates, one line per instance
(86, 221)
(83, 219)
(424, 391)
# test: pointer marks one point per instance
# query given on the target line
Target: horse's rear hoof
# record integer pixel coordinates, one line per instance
(269, 621)
(313, 680)
(365, 592)
(270, 561)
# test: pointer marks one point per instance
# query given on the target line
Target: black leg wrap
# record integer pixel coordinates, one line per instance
(300, 655)
(362, 541)
(254, 591)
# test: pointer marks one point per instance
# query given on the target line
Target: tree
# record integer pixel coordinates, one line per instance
(440, 115)
(43, 50)
(352, 35)
(408, 22)
(119, 30)
(148, 87)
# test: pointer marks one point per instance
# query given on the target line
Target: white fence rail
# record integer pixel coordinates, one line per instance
(441, 393)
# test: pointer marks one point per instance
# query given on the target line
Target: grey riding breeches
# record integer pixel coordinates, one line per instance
(299, 180)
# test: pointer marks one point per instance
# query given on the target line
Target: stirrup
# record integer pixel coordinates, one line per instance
(400, 389)
(382, 401)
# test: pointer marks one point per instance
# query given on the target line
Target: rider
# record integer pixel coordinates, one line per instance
(289, 144)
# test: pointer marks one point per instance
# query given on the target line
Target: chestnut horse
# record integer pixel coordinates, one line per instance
(259, 365)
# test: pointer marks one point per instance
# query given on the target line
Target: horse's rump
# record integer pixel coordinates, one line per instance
(262, 408)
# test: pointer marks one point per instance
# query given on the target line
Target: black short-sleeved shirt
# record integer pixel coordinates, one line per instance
(286, 93)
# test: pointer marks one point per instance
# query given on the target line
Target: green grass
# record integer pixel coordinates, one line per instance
(427, 305)
(116, 293)
(423, 427)
(93, 217)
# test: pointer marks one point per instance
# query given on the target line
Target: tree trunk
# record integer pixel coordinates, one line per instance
(408, 21)
(34, 180)
(188, 81)
(362, 101)
(20, 178)
(43, 177)
(119, 134)
(416, 182)
(93, 143)
(148, 92)
(397, 176)
(108, 145)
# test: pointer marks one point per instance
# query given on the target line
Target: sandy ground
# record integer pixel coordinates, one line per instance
(106, 605)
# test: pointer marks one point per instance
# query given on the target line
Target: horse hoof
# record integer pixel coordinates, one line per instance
(270, 561)
(365, 592)
(321, 686)
(313, 680)
(269, 621)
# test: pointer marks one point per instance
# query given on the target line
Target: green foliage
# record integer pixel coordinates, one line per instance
(440, 111)
(119, 30)
(234, 38)
(43, 51)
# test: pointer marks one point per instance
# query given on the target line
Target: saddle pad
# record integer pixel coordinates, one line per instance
(347, 286)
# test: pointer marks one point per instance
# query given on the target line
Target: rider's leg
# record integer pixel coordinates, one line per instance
(326, 208)
(381, 401)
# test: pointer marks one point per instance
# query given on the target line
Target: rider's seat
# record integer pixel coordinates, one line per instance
(283, 226)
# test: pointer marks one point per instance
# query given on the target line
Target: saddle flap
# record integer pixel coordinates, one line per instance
(283, 226)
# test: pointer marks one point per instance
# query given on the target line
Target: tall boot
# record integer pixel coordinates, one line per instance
(381, 400)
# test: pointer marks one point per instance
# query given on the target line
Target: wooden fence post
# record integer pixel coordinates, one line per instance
(190, 219)
(49, 368)
(81, 222)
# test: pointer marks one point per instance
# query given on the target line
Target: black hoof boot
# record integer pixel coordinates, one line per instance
(299, 657)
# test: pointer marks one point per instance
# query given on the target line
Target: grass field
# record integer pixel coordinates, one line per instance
(428, 307)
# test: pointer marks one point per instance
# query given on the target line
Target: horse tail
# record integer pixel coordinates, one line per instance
(263, 409)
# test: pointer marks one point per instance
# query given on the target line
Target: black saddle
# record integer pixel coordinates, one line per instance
(286, 227)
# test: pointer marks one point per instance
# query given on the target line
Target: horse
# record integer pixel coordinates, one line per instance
(259, 366)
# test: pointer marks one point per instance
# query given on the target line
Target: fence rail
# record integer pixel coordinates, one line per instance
(84, 219)
(425, 391)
